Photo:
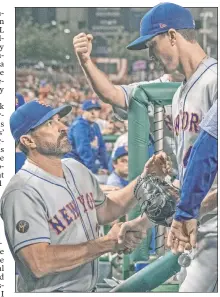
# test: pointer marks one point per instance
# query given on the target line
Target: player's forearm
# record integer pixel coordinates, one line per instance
(58, 258)
(118, 204)
(102, 86)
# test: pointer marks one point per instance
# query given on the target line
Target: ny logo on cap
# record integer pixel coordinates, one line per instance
(93, 101)
(16, 101)
(162, 25)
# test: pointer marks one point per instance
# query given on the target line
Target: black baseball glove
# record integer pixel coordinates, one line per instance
(157, 199)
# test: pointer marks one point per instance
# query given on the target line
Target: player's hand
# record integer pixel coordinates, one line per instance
(113, 235)
(158, 165)
(182, 235)
(133, 232)
(82, 45)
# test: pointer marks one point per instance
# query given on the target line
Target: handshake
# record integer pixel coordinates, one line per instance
(125, 237)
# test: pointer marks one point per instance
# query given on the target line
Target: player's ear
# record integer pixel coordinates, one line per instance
(172, 36)
(28, 141)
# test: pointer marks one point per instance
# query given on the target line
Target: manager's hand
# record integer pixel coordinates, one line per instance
(133, 232)
(158, 165)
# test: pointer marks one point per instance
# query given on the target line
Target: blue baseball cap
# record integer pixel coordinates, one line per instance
(19, 100)
(33, 114)
(90, 104)
(43, 83)
(160, 19)
(120, 151)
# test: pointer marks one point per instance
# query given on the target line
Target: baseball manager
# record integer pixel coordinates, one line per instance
(52, 208)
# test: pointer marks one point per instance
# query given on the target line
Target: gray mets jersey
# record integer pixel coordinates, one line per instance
(39, 207)
(191, 102)
(168, 140)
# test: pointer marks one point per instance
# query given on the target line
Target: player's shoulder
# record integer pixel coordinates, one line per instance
(18, 181)
(208, 71)
(211, 64)
(18, 184)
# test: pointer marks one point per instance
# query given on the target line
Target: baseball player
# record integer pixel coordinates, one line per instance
(52, 208)
(120, 96)
(198, 179)
(168, 31)
(173, 43)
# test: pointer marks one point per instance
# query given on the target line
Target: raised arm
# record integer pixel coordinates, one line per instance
(107, 92)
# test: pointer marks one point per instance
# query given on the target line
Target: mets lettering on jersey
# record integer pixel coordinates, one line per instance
(70, 212)
(186, 121)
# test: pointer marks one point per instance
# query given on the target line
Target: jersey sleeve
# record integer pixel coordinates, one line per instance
(210, 121)
(25, 219)
(121, 113)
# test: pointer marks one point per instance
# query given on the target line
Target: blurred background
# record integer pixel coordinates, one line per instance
(45, 60)
(47, 67)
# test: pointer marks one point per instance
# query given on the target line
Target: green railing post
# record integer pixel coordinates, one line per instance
(138, 138)
(151, 276)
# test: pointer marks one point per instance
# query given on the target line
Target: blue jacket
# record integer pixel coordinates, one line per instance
(199, 176)
(82, 135)
(115, 180)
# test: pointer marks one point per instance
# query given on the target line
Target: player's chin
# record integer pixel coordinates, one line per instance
(65, 148)
(170, 68)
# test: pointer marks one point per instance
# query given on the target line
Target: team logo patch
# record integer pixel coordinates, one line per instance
(162, 26)
(22, 226)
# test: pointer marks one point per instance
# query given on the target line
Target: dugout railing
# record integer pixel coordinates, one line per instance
(166, 265)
